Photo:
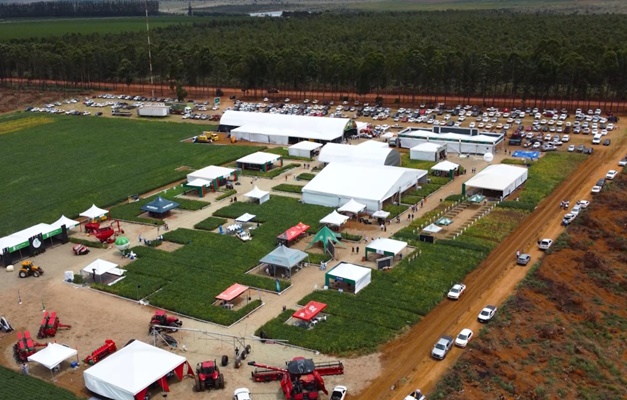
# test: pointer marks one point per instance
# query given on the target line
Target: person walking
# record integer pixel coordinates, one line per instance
(517, 254)
(25, 369)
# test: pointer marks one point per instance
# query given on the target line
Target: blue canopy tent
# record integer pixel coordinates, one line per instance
(159, 206)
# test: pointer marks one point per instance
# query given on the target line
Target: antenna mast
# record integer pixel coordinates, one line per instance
(152, 87)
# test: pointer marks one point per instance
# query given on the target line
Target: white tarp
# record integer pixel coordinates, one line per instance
(101, 267)
(371, 185)
(210, 173)
(433, 228)
(259, 158)
(94, 212)
(334, 218)
(69, 223)
(352, 206)
(130, 370)
(361, 276)
(384, 245)
(500, 177)
(53, 355)
(245, 218)
(445, 166)
(303, 149)
(258, 194)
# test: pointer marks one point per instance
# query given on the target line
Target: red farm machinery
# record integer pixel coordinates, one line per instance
(106, 234)
(208, 376)
(50, 324)
(161, 321)
(301, 379)
(101, 352)
(25, 346)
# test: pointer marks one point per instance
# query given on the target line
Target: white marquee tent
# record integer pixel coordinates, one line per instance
(334, 218)
(445, 166)
(303, 149)
(498, 180)
(209, 174)
(53, 355)
(427, 151)
(386, 247)
(352, 206)
(94, 212)
(259, 195)
(69, 223)
(370, 152)
(102, 267)
(245, 218)
(279, 128)
(127, 373)
(371, 185)
(357, 276)
(380, 214)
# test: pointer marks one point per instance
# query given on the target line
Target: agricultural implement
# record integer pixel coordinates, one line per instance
(208, 376)
(301, 379)
(5, 326)
(101, 352)
(25, 346)
(29, 269)
(49, 325)
(104, 234)
(80, 250)
(161, 321)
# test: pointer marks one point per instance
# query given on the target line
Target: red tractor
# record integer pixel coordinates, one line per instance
(25, 346)
(208, 376)
(301, 379)
(160, 320)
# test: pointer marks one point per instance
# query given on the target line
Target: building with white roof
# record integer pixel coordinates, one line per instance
(496, 181)
(470, 142)
(369, 152)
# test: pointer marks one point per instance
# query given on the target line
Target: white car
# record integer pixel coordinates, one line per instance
(596, 189)
(463, 338)
(339, 393)
(241, 394)
(571, 148)
(487, 313)
(622, 162)
(576, 209)
(583, 203)
(565, 138)
(545, 244)
(456, 291)
(611, 174)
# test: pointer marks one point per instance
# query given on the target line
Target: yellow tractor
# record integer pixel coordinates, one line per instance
(207, 137)
(28, 269)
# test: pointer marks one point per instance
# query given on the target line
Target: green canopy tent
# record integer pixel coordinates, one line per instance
(325, 235)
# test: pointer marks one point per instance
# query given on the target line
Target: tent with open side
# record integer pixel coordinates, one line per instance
(310, 311)
(284, 257)
(231, 293)
(69, 223)
(259, 195)
(246, 217)
(100, 267)
(94, 212)
(53, 355)
(160, 206)
(349, 277)
(129, 372)
(385, 247)
(325, 235)
(335, 218)
(292, 233)
(352, 206)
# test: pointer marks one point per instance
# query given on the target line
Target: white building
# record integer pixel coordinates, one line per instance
(369, 152)
(304, 149)
(496, 181)
(428, 151)
(455, 142)
(372, 185)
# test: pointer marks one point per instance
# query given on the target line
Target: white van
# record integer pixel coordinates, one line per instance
(597, 139)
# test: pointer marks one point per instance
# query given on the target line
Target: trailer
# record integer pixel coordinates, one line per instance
(153, 111)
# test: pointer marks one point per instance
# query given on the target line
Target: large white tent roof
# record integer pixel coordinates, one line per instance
(335, 218)
(130, 370)
(449, 137)
(387, 245)
(350, 271)
(286, 125)
(306, 145)
(94, 212)
(496, 177)
(371, 182)
(210, 173)
(352, 206)
(445, 166)
(427, 146)
(33, 231)
(259, 158)
(53, 355)
(101, 267)
(376, 153)
(69, 223)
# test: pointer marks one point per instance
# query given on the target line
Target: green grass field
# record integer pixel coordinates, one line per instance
(18, 386)
(66, 164)
(22, 29)
(615, 6)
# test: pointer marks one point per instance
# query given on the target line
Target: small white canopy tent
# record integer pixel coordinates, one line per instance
(53, 355)
(258, 194)
(69, 223)
(380, 214)
(335, 218)
(445, 166)
(352, 206)
(245, 218)
(94, 212)
(303, 149)
(355, 275)
(386, 247)
(101, 267)
(433, 228)
(127, 373)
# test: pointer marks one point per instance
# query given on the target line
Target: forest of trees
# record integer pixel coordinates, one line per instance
(95, 8)
(477, 53)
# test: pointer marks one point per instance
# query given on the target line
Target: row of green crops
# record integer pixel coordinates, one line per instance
(63, 167)
(188, 279)
(19, 386)
(210, 224)
(286, 187)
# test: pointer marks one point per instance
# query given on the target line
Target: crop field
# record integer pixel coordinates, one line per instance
(188, 279)
(65, 166)
(520, 5)
(18, 386)
(23, 29)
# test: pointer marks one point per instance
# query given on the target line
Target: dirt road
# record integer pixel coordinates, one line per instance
(406, 361)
